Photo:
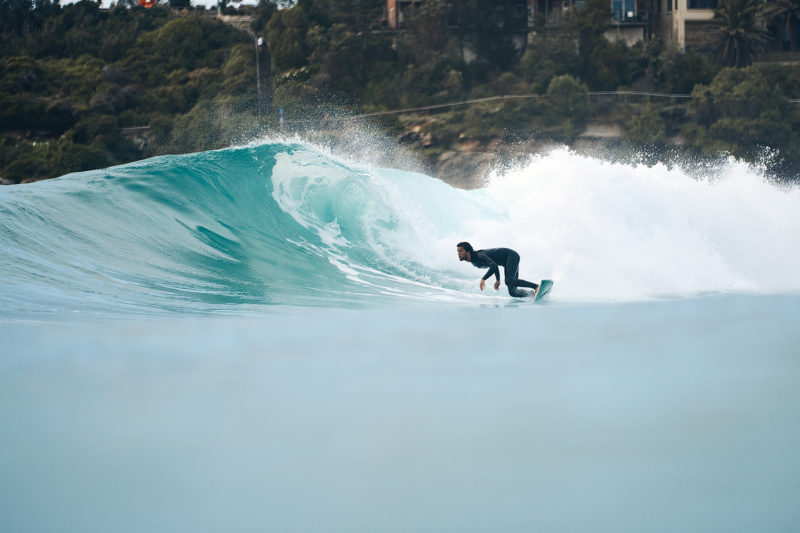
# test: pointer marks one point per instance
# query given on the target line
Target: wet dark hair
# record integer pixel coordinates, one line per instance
(465, 245)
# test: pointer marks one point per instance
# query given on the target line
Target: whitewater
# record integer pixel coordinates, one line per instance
(280, 337)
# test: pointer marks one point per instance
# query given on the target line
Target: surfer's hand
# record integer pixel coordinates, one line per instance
(483, 283)
(497, 285)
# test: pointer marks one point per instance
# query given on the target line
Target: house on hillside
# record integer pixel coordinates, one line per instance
(688, 25)
(629, 20)
(505, 17)
(685, 23)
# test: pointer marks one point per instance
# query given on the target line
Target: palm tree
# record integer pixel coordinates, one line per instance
(738, 35)
(788, 10)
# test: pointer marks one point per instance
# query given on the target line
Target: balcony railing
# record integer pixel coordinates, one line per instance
(703, 4)
(621, 16)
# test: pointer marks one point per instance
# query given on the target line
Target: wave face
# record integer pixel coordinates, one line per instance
(288, 223)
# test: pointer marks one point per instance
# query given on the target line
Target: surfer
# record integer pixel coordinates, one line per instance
(490, 259)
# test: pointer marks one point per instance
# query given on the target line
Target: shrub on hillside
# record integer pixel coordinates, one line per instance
(741, 113)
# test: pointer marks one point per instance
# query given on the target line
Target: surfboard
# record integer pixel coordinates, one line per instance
(543, 290)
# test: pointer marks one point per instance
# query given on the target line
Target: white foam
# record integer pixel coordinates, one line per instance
(615, 231)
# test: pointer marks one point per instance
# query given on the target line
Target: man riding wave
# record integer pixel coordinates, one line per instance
(492, 259)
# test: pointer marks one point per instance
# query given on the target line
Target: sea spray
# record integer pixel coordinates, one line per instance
(629, 232)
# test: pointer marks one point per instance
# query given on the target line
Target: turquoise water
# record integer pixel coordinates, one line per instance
(276, 338)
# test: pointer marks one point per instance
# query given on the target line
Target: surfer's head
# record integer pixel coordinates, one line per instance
(464, 250)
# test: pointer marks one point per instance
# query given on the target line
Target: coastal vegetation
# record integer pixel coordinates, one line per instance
(83, 87)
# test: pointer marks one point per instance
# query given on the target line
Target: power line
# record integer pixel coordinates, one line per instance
(492, 99)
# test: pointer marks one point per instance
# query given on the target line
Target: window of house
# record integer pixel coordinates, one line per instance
(623, 9)
(703, 4)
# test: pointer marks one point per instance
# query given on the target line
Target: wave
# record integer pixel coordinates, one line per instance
(289, 223)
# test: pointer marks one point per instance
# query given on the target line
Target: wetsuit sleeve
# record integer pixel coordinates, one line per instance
(492, 267)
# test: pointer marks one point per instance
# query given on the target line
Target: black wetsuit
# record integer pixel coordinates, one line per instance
(509, 259)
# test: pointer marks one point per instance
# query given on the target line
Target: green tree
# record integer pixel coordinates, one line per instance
(787, 12)
(174, 45)
(427, 34)
(589, 23)
(567, 98)
(286, 38)
(548, 55)
(238, 70)
(426, 58)
(358, 14)
(77, 157)
(14, 15)
(487, 28)
(646, 126)
(263, 12)
(737, 35)
(741, 113)
(567, 105)
(657, 67)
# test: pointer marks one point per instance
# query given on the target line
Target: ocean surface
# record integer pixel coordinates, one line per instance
(276, 337)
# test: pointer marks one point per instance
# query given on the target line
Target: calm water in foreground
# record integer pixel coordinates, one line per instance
(661, 416)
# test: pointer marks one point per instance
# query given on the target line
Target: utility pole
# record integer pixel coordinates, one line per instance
(263, 82)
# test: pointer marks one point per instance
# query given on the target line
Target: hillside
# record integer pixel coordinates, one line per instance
(82, 88)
